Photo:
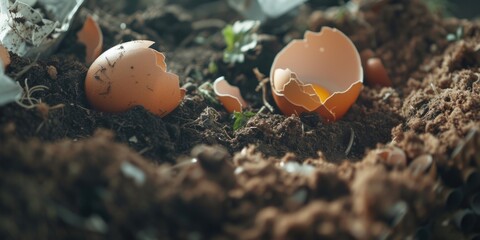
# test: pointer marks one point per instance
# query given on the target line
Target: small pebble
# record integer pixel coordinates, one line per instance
(52, 72)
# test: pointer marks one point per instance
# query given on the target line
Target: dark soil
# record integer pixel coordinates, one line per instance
(68, 171)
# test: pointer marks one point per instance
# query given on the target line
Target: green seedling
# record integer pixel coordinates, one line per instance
(212, 68)
(452, 37)
(206, 91)
(239, 39)
(241, 118)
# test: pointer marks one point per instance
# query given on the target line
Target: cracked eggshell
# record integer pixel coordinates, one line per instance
(321, 73)
(229, 95)
(91, 36)
(132, 74)
(4, 57)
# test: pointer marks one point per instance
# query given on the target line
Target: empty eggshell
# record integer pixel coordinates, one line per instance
(4, 56)
(321, 73)
(132, 74)
(229, 95)
(91, 36)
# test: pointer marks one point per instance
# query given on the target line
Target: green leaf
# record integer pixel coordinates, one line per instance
(239, 39)
(212, 67)
(241, 118)
(229, 37)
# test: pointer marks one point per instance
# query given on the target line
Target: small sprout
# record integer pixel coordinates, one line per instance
(241, 118)
(212, 68)
(239, 38)
(452, 37)
(206, 91)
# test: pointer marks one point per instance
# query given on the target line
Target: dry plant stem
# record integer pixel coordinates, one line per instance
(141, 152)
(27, 68)
(262, 84)
(44, 110)
(350, 142)
(27, 95)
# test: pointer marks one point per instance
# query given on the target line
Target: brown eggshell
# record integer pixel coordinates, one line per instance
(376, 74)
(393, 156)
(91, 36)
(327, 59)
(365, 55)
(4, 56)
(131, 74)
(229, 95)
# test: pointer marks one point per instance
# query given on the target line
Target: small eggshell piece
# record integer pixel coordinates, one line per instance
(376, 74)
(229, 95)
(393, 156)
(91, 36)
(4, 56)
(132, 74)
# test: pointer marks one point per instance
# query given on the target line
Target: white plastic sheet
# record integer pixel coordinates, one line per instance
(28, 32)
(9, 90)
(263, 9)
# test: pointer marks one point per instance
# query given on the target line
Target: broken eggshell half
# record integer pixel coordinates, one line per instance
(321, 73)
(132, 74)
(91, 36)
(229, 95)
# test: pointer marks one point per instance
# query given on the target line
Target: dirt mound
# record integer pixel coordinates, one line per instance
(402, 163)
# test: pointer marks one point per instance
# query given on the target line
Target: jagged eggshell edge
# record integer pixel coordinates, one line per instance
(229, 95)
(164, 93)
(335, 106)
(91, 36)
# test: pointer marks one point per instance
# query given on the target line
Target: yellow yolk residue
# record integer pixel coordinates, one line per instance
(321, 92)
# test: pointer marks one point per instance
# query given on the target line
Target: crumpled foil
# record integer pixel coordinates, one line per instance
(31, 32)
(264, 9)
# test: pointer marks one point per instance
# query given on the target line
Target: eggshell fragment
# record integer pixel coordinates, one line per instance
(4, 57)
(321, 73)
(132, 74)
(393, 156)
(91, 36)
(376, 74)
(229, 95)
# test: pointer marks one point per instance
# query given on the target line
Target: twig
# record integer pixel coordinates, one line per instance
(350, 142)
(262, 84)
(27, 95)
(27, 68)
